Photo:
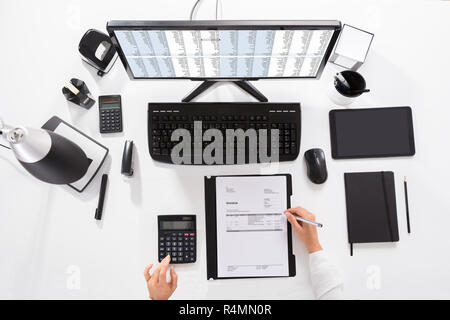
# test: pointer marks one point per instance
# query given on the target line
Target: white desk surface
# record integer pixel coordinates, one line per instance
(48, 231)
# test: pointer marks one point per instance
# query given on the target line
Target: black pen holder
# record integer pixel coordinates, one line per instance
(82, 87)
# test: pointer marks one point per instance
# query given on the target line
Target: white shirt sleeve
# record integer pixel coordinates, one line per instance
(325, 277)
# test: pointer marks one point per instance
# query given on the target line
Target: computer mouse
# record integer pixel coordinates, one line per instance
(316, 165)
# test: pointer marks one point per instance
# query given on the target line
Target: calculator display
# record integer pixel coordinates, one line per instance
(110, 105)
(176, 225)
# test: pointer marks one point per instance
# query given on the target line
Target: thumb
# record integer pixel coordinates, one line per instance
(297, 227)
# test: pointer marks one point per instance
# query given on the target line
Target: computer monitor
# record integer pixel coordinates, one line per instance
(224, 50)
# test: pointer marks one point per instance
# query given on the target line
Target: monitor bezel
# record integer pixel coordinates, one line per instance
(114, 25)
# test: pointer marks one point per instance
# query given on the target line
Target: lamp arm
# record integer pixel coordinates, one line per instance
(3, 133)
(4, 128)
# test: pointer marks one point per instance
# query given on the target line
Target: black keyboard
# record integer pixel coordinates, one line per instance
(165, 118)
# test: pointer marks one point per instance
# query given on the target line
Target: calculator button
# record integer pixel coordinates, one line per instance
(180, 248)
(186, 239)
(168, 249)
(161, 238)
(191, 259)
(192, 234)
(192, 243)
(180, 238)
(180, 259)
(168, 244)
(180, 234)
(174, 244)
(180, 243)
(174, 238)
(175, 259)
(186, 234)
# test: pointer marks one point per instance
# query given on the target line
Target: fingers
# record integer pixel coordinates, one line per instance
(155, 276)
(302, 212)
(164, 265)
(297, 227)
(173, 279)
(147, 272)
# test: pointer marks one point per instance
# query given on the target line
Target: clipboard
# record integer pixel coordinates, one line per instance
(94, 150)
(211, 227)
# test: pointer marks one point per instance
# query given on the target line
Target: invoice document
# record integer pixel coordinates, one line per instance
(252, 239)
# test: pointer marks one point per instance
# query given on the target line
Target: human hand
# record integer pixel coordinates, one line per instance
(157, 285)
(306, 232)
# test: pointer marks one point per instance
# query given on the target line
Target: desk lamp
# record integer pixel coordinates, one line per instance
(46, 155)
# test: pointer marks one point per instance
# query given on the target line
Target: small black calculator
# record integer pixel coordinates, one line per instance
(177, 237)
(110, 108)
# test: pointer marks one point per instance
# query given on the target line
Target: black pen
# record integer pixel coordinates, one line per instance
(101, 199)
(407, 205)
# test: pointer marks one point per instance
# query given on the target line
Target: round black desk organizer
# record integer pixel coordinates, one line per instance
(356, 82)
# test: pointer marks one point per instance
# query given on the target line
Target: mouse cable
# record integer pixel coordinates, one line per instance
(197, 3)
(217, 8)
(193, 9)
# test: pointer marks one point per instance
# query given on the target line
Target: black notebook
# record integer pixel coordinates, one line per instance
(371, 207)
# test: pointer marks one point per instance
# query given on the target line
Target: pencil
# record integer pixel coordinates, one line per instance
(405, 184)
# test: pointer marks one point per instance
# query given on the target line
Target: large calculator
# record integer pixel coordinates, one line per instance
(177, 238)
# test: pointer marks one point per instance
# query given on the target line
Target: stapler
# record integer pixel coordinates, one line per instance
(127, 159)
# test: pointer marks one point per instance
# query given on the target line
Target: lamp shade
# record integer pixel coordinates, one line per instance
(47, 155)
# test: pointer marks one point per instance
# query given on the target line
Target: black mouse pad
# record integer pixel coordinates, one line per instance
(371, 132)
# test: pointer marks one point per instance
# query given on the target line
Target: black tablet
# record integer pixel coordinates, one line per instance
(371, 132)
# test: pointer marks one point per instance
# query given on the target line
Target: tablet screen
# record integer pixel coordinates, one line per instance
(375, 132)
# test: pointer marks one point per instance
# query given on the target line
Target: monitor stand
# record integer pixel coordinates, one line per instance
(243, 84)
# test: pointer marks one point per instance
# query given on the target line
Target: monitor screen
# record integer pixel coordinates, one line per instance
(227, 53)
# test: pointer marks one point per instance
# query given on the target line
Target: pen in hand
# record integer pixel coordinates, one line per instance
(317, 224)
